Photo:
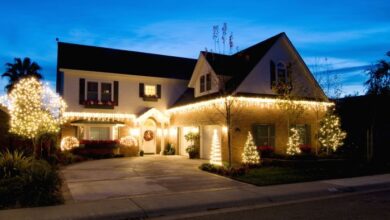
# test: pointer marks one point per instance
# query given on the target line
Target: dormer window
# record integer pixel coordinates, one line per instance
(281, 72)
(202, 83)
(205, 83)
(150, 90)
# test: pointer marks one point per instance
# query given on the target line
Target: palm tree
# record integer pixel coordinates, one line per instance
(20, 69)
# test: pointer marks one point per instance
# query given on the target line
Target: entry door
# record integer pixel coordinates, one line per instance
(149, 136)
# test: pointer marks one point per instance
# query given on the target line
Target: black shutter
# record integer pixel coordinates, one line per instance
(116, 92)
(81, 91)
(158, 91)
(141, 90)
(272, 72)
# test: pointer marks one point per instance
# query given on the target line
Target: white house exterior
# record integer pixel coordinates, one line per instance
(114, 93)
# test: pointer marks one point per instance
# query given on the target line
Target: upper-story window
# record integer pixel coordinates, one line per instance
(281, 72)
(106, 92)
(92, 91)
(205, 83)
(208, 82)
(150, 90)
(202, 83)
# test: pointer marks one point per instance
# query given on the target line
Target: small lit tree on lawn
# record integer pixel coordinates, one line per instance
(250, 155)
(215, 157)
(35, 110)
(293, 142)
(330, 134)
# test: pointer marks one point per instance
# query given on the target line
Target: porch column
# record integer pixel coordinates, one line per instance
(162, 139)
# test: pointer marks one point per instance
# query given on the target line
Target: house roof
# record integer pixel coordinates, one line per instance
(82, 57)
(239, 65)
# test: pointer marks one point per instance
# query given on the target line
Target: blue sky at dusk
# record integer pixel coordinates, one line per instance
(350, 34)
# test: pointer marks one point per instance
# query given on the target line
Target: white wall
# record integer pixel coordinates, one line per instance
(259, 79)
(129, 100)
(203, 68)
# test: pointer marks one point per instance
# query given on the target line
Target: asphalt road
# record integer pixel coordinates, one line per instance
(374, 205)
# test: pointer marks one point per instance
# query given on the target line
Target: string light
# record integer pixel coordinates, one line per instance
(248, 102)
(330, 134)
(215, 155)
(128, 141)
(250, 154)
(68, 143)
(94, 116)
(293, 142)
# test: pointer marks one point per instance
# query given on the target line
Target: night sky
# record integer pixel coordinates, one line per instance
(350, 34)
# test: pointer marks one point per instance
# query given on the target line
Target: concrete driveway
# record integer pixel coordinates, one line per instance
(139, 176)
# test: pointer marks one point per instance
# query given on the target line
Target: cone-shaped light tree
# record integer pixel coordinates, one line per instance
(216, 157)
(250, 154)
(293, 142)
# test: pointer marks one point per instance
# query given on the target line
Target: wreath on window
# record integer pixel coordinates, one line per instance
(148, 135)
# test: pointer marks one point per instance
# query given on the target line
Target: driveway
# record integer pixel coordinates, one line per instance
(140, 176)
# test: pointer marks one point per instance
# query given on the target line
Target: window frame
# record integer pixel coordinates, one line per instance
(107, 128)
(208, 81)
(202, 83)
(278, 69)
(150, 86)
(306, 127)
(271, 138)
(88, 92)
(101, 92)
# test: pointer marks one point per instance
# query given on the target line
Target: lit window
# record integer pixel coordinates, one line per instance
(99, 133)
(281, 72)
(150, 90)
(92, 91)
(106, 92)
(264, 135)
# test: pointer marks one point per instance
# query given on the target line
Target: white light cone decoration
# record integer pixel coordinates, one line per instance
(250, 154)
(215, 157)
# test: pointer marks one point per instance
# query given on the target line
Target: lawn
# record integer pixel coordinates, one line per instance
(270, 175)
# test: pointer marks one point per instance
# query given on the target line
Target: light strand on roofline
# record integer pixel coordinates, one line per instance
(98, 116)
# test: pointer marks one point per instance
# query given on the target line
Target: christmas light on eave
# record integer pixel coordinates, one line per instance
(248, 102)
(98, 116)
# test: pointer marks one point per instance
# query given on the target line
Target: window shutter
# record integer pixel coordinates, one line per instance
(81, 91)
(141, 90)
(272, 72)
(116, 93)
(158, 91)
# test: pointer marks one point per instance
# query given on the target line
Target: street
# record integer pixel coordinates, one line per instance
(374, 205)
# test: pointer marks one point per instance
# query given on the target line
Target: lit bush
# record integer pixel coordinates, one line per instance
(68, 143)
(128, 141)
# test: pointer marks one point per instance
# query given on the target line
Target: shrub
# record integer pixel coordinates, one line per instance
(67, 143)
(65, 158)
(305, 149)
(266, 151)
(99, 143)
(128, 141)
(224, 171)
(27, 182)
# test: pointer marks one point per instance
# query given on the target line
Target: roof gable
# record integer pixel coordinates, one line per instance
(81, 57)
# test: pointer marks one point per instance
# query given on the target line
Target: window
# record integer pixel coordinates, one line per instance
(105, 92)
(202, 83)
(150, 90)
(264, 135)
(99, 133)
(208, 82)
(92, 91)
(304, 133)
(281, 73)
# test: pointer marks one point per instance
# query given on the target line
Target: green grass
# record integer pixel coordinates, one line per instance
(280, 175)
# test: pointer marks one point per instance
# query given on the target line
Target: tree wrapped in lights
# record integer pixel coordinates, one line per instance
(293, 142)
(250, 155)
(35, 110)
(215, 157)
(330, 134)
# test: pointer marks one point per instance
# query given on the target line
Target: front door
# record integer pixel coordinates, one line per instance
(149, 129)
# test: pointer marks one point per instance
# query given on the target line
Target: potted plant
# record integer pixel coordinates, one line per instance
(193, 148)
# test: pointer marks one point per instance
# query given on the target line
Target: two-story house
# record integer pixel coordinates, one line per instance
(158, 99)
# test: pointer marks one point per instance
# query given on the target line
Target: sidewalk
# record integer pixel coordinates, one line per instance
(185, 202)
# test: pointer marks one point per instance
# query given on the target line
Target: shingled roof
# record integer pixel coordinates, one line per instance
(236, 66)
(82, 57)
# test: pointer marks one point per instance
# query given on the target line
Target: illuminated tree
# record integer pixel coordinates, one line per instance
(293, 142)
(35, 110)
(68, 143)
(250, 154)
(215, 157)
(330, 134)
